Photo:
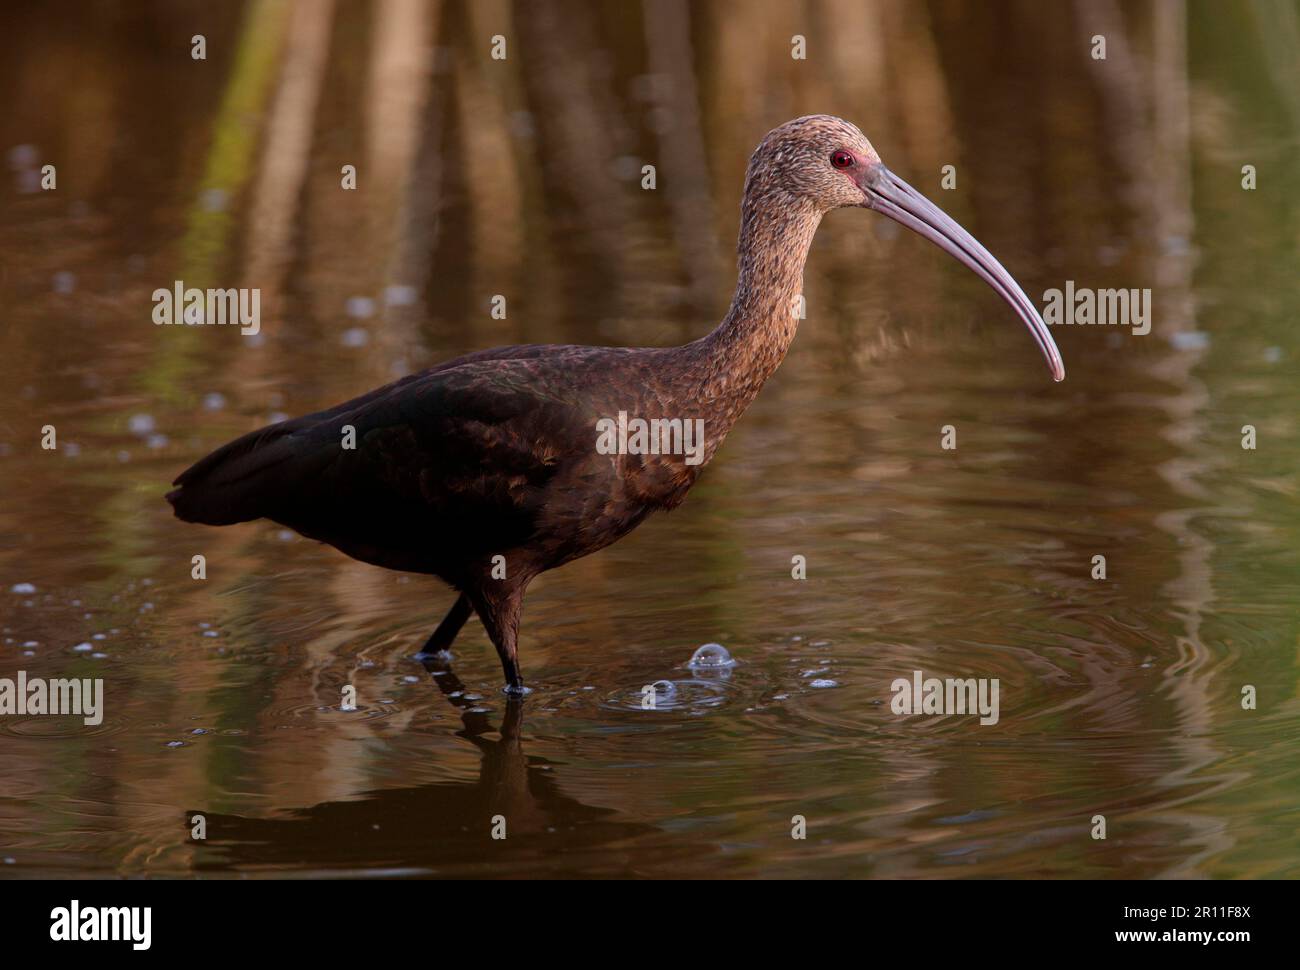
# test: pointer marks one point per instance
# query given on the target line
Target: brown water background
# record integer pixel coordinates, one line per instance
(522, 178)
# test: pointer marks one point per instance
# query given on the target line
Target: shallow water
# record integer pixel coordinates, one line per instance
(1119, 697)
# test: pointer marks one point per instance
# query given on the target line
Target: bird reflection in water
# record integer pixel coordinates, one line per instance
(397, 831)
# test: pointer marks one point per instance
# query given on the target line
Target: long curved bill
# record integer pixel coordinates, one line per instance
(889, 195)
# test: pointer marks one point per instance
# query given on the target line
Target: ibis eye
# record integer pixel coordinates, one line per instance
(842, 159)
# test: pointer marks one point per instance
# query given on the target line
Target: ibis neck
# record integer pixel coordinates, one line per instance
(752, 339)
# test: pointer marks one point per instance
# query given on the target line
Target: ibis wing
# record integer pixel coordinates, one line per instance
(456, 455)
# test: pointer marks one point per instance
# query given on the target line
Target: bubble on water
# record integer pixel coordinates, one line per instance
(64, 282)
(83, 648)
(626, 168)
(355, 337)
(99, 656)
(360, 307)
(141, 424)
(692, 696)
(1272, 354)
(175, 744)
(711, 656)
(400, 295)
(820, 684)
(211, 633)
(214, 401)
(1190, 340)
(27, 588)
(199, 731)
(409, 679)
(31, 643)
(213, 200)
(10, 860)
(156, 441)
(72, 449)
(22, 156)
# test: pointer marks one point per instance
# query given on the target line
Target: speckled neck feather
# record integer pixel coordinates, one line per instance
(734, 361)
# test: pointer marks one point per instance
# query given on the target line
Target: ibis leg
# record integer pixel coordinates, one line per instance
(442, 638)
(500, 612)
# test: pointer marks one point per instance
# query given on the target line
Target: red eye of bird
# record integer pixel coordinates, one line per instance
(842, 159)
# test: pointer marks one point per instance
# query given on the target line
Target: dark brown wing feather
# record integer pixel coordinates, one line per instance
(456, 458)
